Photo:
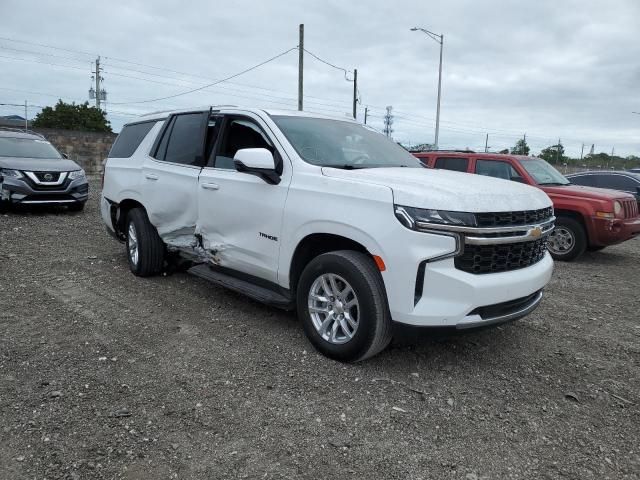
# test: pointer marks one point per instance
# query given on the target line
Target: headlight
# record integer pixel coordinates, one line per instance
(6, 172)
(412, 217)
(617, 208)
(76, 174)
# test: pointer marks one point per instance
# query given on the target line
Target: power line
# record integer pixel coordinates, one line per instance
(211, 84)
(331, 65)
(334, 102)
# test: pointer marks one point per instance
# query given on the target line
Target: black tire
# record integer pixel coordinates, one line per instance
(150, 247)
(572, 249)
(76, 207)
(596, 249)
(374, 327)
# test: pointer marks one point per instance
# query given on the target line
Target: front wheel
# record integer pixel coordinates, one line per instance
(145, 248)
(342, 303)
(568, 239)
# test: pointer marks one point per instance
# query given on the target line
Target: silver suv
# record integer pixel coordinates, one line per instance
(32, 172)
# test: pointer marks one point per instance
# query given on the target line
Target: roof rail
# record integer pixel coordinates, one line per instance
(443, 150)
(21, 130)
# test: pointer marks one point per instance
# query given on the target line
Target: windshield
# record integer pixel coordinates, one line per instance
(27, 148)
(339, 144)
(543, 173)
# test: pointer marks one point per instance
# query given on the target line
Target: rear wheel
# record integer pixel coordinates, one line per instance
(145, 248)
(568, 239)
(342, 304)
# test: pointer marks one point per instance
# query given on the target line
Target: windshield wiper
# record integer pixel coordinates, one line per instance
(347, 167)
(553, 184)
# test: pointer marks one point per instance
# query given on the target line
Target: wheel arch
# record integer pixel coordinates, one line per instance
(314, 244)
(119, 214)
(579, 217)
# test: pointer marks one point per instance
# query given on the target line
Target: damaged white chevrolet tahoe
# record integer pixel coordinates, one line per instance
(328, 217)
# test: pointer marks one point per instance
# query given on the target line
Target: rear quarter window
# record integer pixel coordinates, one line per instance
(129, 139)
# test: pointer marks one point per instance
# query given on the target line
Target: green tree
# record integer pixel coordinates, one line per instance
(521, 148)
(69, 116)
(554, 154)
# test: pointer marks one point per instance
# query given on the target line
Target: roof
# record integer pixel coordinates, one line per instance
(464, 153)
(14, 133)
(230, 108)
(608, 172)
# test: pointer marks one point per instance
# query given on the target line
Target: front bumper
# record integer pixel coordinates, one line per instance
(453, 298)
(606, 232)
(16, 191)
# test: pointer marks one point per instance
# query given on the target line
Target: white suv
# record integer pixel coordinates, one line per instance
(329, 217)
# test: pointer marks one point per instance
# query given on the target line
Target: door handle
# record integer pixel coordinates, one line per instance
(150, 176)
(210, 186)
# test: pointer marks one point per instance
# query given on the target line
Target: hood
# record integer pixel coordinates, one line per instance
(446, 190)
(578, 191)
(39, 164)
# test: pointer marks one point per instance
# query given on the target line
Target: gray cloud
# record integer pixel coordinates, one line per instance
(551, 69)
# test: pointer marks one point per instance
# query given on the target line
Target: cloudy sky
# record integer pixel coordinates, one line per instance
(565, 69)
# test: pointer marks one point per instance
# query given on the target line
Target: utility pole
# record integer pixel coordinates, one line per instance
(300, 65)
(98, 93)
(558, 153)
(26, 121)
(581, 152)
(486, 143)
(355, 91)
(366, 114)
(613, 149)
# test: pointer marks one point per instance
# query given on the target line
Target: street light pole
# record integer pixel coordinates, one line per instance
(440, 40)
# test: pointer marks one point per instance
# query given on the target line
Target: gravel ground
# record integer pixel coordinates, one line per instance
(105, 375)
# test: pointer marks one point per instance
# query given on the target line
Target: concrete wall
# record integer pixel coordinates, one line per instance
(88, 149)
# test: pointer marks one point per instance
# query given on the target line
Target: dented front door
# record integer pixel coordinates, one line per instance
(240, 215)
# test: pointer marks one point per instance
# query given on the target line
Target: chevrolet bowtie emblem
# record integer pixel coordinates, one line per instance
(535, 232)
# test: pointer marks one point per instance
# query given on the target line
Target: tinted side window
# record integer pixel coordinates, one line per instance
(129, 139)
(240, 133)
(497, 169)
(616, 182)
(186, 141)
(584, 180)
(453, 163)
(161, 150)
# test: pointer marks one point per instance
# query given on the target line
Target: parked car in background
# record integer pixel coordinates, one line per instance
(634, 170)
(622, 181)
(586, 218)
(328, 217)
(33, 172)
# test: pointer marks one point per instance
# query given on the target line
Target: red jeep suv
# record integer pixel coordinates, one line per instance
(587, 218)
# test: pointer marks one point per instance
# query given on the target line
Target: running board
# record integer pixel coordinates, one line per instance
(256, 292)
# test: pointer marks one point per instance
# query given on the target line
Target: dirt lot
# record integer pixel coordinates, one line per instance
(105, 375)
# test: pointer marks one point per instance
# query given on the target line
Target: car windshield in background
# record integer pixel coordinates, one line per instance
(543, 173)
(27, 148)
(340, 144)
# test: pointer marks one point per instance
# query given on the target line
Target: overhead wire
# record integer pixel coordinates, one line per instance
(150, 100)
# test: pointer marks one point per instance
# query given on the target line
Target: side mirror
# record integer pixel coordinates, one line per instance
(257, 161)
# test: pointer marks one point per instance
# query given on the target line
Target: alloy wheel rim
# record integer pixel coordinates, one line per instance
(561, 241)
(334, 308)
(132, 243)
